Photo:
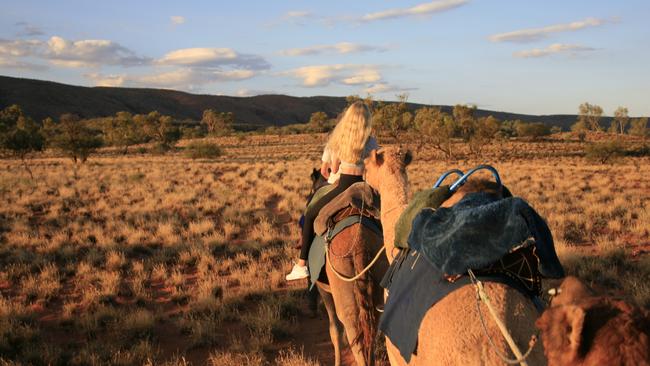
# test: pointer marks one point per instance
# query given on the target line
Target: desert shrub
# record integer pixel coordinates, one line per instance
(202, 150)
(532, 130)
(615, 271)
(604, 152)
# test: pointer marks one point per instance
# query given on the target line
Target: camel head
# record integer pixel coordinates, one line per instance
(385, 163)
(583, 329)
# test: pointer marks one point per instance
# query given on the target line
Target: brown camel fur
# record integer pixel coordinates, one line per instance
(451, 331)
(583, 329)
(352, 305)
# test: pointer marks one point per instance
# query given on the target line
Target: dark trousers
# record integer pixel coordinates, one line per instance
(345, 181)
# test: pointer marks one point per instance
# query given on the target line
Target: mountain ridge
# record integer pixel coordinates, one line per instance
(41, 98)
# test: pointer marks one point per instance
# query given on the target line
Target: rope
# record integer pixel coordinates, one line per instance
(356, 277)
(481, 295)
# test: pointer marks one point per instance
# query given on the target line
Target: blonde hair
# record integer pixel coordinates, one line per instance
(349, 137)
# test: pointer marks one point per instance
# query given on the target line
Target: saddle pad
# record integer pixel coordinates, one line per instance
(316, 258)
(414, 286)
(478, 231)
(423, 199)
(358, 195)
(320, 192)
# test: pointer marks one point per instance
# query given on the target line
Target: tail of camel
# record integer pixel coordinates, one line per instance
(451, 332)
(365, 294)
(353, 304)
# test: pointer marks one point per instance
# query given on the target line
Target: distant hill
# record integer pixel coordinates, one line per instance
(41, 99)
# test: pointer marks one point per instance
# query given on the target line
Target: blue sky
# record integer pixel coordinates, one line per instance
(537, 57)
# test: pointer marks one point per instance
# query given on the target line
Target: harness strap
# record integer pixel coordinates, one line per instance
(520, 358)
(334, 230)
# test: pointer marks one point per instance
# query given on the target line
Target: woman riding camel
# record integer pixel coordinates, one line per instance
(348, 145)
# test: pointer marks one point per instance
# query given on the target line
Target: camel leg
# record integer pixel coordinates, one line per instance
(335, 326)
(348, 312)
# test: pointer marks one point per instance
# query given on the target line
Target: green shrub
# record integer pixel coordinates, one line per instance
(202, 150)
(604, 152)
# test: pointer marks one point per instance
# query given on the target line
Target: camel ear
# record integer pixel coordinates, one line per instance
(377, 156)
(408, 158)
(575, 316)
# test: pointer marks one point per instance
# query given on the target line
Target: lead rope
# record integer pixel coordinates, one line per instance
(481, 295)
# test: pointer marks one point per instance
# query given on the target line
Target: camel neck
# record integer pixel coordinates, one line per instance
(393, 202)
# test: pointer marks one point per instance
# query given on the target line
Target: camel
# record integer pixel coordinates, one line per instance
(451, 331)
(351, 306)
(583, 329)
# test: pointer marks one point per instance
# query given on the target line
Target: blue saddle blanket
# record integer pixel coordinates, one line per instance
(478, 231)
(316, 258)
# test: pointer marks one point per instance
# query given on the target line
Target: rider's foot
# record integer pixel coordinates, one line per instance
(297, 272)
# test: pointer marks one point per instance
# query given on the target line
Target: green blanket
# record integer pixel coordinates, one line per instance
(320, 193)
(423, 199)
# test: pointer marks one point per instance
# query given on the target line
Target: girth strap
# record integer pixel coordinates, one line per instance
(334, 230)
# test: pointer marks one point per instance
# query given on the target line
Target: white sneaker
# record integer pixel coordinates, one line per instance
(297, 273)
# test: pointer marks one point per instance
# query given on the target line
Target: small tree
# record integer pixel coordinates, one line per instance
(484, 131)
(218, 123)
(639, 127)
(121, 131)
(393, 118)
(73, 137)
(507, 130)
(20, 134)
(589, 116)
(464, 117)
(620, 121)
(436, 128)
(318, 121)
(158, 128)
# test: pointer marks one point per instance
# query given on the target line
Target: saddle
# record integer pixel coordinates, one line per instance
(358, 204)
(358, 199)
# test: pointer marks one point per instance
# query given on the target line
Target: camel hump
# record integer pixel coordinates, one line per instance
(358, 199)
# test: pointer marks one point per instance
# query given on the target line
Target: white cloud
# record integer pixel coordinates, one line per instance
(323, 75)
(251, 93)
(420, 9)
(106, 80)
(23, 65)
(536, 34)
(183, 78)
(383, 88)
(362, 76)
(20, 48)
(90, 52)
(340, 48)
(177, 19)
(213, 57)
(297, 14)
(553, 49)
(84, 53)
